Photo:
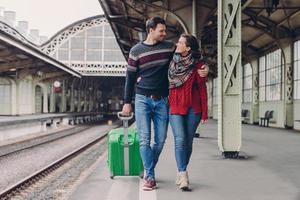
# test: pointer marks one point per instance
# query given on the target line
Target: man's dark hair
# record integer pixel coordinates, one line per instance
(152, 23)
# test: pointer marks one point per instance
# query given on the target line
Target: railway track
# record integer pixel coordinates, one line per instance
(26, 182)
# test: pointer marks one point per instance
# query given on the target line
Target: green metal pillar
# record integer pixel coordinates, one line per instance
(229, 80)
(255, 92)
(288, 85)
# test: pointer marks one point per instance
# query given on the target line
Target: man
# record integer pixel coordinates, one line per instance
(148, 67)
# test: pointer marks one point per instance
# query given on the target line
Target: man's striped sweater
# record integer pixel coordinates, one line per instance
(149, 63)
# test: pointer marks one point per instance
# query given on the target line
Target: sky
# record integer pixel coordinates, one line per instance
(52, 15)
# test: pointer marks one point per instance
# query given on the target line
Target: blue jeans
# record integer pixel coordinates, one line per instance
(184, 128)
(145, 110)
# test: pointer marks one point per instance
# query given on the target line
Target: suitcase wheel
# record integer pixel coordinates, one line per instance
(142, 175)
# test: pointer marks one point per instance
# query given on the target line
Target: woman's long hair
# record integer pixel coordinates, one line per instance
(192, 42)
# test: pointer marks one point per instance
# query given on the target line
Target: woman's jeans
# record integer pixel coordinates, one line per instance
(184, 128)
(145, 110)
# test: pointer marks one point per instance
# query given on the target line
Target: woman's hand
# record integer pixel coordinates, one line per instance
(203, 72)
(203, 121)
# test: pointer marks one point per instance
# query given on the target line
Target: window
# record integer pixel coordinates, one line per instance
(262, 79)
(270, 78)
(94, 43)
(96, 31)
(63, 55)
(91, 47)
(297, 70)
(113, 56)
(93, 56)
(77, 55)
(108, 31)
(77, 43)
(65, 45)
(111, 44)
(247, 83)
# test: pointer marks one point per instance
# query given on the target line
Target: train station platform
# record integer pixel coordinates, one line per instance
(13, 128)
(268, 169)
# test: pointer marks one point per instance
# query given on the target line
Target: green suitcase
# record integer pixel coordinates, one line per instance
(124, 152)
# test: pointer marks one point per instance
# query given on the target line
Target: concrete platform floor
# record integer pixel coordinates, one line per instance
(271, 171)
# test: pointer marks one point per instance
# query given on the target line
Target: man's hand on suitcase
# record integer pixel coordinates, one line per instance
(126, 109)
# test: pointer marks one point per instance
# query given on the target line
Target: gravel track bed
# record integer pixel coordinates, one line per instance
(22, 164)
(60, 183)
(12, 148)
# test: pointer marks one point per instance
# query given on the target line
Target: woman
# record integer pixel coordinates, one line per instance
(188, 101)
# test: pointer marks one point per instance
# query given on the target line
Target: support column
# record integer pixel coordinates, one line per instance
(80, 88)
(79, 100)
(255, 90)
(288, 84)
(194, 18)
(45, 99)
(63, 107)
(52, 99)
(86, 95)
(91, 104)
(229, 82)
(72, 100)
(14, 97)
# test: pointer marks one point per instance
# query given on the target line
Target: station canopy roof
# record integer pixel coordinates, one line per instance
(18, 54)
(265, 23)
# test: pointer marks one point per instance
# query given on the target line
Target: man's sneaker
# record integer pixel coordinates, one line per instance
(149, 185)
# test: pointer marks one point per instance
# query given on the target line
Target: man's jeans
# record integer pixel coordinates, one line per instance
(184, 128)
(145, 110)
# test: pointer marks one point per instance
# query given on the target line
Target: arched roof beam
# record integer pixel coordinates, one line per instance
(288, 17)
(263, 29)
(168, 12)
(133, 8)
(277, 31)
(130, 22)
(136, 24)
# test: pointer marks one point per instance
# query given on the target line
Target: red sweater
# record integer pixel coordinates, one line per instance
(191, 94)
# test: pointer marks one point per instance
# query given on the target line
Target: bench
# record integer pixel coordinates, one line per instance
(264, 121)
(245, 116)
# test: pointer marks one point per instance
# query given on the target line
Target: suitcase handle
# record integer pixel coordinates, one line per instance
(129, 142)
(124, 117)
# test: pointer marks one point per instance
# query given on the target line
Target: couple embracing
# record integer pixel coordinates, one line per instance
(170, 85)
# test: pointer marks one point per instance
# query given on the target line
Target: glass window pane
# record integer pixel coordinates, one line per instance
(261, 78)
(262, 91)
(65, 45)
(63, 55)
(77, 43)
(262, 63)
(111, 44)
(113, 56)
(95, 31)
(77, 55)
(94, 43)
(93, 56)
(108, 31)
(297, 70)
(298, 50)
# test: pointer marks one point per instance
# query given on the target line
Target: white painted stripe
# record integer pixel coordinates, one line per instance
(146, 195)
(157, 51)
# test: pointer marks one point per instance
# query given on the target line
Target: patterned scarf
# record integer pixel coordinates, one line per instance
(180, 69)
